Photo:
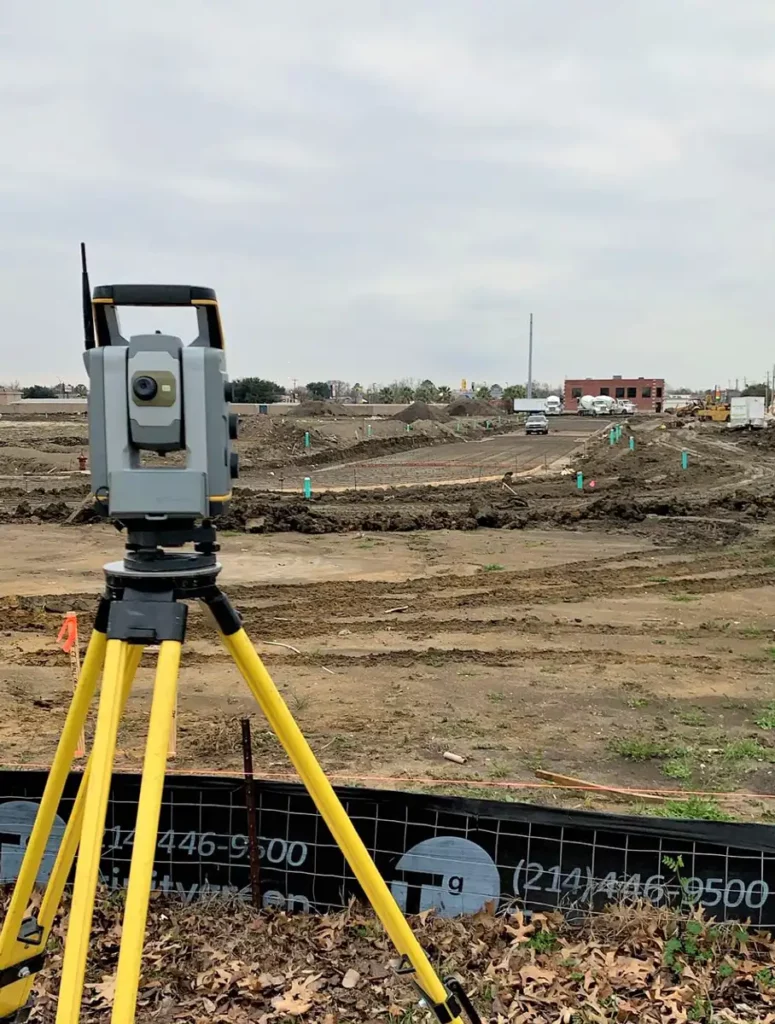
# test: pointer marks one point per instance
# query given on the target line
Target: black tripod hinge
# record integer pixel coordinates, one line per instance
(147, 622)
(10, 975)
(227, 619)
(454, 1005)
(460, 998)
(446, 1011)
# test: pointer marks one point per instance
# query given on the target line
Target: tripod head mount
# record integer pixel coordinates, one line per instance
(150, 395)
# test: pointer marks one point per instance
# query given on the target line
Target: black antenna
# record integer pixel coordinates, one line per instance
(88, 313)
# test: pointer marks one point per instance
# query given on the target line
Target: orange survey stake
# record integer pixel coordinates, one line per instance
(68, 641)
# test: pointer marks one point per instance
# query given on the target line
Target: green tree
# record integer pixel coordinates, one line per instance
(405, 393)
(483, 391)
(445, 393)
(319, 389)
(256, 389)
(426, 391)
(387, 395)
(514, 391)
(38, 391)
(754, 391)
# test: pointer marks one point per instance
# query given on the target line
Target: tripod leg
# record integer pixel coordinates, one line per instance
(342, 829)
(13, 949)
(146, 833)
(14, 996)
(95, 807)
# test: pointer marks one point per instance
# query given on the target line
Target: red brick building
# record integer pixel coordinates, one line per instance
(645, 393)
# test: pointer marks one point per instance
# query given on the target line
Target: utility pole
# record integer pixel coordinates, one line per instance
(530, 361)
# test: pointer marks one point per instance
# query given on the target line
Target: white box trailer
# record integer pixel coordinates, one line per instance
(529, 405)
(746, 412)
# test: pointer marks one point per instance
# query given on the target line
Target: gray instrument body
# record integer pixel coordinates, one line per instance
(187, 412)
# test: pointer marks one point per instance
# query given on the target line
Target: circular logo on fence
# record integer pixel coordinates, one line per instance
(16, 820)
(453, 875)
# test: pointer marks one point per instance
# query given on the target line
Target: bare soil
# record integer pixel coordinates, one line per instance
(624, 634)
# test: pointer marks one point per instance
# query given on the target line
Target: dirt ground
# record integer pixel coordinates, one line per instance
(38, 447)
(624, 634)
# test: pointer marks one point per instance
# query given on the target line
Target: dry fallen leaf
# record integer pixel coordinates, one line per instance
(540, 975)
(298, 999)
(351, 979)
(105, 990)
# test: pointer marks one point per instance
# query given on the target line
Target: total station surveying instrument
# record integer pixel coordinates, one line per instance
(152, 394)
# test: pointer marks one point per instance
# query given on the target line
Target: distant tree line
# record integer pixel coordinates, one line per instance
(260, 391)
(62, 391)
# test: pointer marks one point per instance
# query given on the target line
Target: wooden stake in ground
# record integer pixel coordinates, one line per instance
(68, 641)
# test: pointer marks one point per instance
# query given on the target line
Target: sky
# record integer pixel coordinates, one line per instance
(381, 189)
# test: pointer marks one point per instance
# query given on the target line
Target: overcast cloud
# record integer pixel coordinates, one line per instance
(382, 189)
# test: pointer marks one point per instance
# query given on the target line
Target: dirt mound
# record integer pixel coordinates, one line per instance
(755, 438)
(317, 407)
(421, 411)
(50, 512)
(472, 407)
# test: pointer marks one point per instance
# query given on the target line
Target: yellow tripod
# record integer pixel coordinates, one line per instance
(141, 606)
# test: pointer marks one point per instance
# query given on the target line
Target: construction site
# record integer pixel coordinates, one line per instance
(464, 577)
(581, 621)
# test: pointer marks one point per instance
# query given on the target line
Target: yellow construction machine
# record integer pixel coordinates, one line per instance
(712, 411)
(707, 410)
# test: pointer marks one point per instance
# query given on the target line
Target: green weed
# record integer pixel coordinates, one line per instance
(493, 567)
(677, 769)
(766, 719)
(744, 750)
(751, 631)
(700, 1010)
(544, 941)
(692, 716)
(695, 807)
(637, 702)
(639, 748)
(495, 697)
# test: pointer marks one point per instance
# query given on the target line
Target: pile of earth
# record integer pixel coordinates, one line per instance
(268, 442)
(421, 411)
(652, 463)
(719, 520)
(51, 512)
(473, 407)
(319, 407)
(46, 444)
(756, 438)
(369, 448)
